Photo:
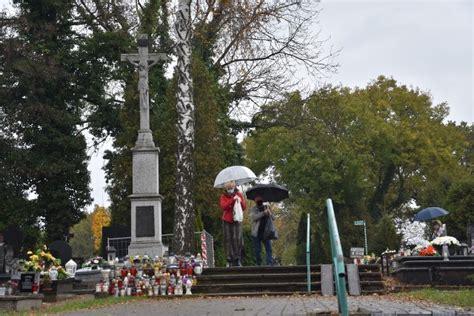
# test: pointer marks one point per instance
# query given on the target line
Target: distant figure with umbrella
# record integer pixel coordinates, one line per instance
(439, 229)
(260, 214)
(232, 229)
(430, 213)
(262, 218)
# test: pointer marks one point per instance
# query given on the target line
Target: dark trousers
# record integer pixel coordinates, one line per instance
(233, 241)
(257, 242)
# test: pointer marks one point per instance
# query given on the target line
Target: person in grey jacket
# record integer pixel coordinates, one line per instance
(259, 215)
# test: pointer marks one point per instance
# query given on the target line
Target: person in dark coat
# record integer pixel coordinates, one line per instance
(259, 215)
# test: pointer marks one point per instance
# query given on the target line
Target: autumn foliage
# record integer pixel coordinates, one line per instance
(100, 218)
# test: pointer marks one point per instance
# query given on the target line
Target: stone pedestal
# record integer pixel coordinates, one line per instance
(145, 198)
(146, 202)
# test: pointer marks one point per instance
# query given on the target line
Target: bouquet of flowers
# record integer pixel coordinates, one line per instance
(445, 240)
(40, 260)
(428, 251)
(94, 263)
(62, 274)
(412, 233)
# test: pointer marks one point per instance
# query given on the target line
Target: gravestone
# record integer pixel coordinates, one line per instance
(61, 250)
(115, 231)
(26, 281)
(470, 237)
(145, 199)
(2, 255)
(9, 259)
(13, 237)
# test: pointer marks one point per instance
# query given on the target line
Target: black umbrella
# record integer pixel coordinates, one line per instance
(430, 213)
(268, 192)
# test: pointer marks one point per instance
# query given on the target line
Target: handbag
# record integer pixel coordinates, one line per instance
(238, 215)
(270, 232)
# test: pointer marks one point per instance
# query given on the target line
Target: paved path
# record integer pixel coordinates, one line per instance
(273, 305)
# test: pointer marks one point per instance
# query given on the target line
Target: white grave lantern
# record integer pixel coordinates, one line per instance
(71, 268)
(111, 254)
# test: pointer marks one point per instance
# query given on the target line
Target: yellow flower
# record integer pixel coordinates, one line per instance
(34, 258)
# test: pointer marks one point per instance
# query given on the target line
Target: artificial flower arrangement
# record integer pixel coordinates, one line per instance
(94, 263)
(40, 260)
(445, 240)
(428, 251)
(43, 262)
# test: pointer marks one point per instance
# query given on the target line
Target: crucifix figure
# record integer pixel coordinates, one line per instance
(143, 61)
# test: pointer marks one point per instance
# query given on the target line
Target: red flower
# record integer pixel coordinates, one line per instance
(428, 251)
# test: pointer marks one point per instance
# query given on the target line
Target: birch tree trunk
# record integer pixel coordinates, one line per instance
(184, 218)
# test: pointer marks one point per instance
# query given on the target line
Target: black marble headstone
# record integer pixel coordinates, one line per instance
(2, 258)
(26, 281)
(61, 250)
(2, 254)
(145, 221)
(13, 237)
(115, 231)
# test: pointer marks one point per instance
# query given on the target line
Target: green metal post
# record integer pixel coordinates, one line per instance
(338, 261)
(308, 259)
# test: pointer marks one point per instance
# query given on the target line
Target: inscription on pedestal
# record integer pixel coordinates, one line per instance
(145, 221)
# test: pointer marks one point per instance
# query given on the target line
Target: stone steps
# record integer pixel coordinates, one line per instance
(285, 280)
(258, 278)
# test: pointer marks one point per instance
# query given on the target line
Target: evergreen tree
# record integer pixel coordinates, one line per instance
(41, 97)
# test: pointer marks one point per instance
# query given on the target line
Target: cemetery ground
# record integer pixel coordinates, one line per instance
(418, 302)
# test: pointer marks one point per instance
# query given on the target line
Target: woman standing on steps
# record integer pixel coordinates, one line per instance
(233, 239)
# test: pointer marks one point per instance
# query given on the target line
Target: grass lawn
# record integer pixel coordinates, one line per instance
(77, 304)
(462, 298)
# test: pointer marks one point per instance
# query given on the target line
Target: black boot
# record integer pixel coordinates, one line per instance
(238, 263)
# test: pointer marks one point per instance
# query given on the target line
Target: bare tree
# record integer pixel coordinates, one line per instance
(261, 46)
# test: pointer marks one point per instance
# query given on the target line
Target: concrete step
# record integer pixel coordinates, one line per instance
(260, 269)
(255, 278)
(229, 294)
(370, 276)
(277, 279)
(369, 268)
(261, 288)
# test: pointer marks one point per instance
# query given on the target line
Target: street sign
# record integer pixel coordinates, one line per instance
(358, 223)
(357, 252)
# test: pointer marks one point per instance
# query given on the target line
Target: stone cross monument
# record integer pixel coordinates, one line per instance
(145, 199)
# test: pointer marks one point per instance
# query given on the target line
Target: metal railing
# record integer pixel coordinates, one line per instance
(121, 245)
(338, 261)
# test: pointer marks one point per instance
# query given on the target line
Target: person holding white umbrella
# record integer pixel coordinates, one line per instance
(231, 226)
(232, 203)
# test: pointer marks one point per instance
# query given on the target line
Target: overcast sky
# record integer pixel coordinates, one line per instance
(425, 43)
